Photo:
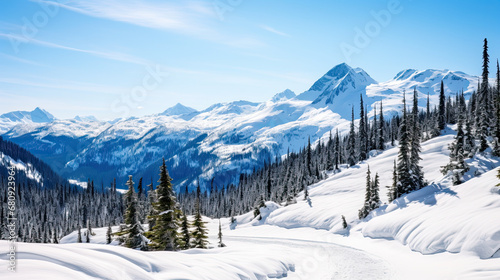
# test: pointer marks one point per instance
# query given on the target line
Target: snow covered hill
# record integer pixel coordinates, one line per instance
(227, 139)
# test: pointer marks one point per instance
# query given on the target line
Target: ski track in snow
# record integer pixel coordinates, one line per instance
(322, 260)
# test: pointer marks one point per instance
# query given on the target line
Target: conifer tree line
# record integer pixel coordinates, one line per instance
(51, 208)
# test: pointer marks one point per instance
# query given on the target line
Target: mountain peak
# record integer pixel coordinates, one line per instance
(284, 95)
(38, 115)
(178, 110)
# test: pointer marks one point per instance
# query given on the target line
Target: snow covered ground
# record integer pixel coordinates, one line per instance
(439, 232)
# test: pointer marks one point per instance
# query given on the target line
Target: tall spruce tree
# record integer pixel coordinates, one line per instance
(404, 177)
(363, 137)
(417, 176)
(442, 111)
(484, 104)
(164, 234)
(185, 234)
(365, 210)
(351, 160)
(381, 139)
(457, 166)
(199, 234)
(79, 238)
(496, 134)
(337, 150)
(133, 232)
(375, 198)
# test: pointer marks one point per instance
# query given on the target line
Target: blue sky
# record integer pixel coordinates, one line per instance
(130, 58)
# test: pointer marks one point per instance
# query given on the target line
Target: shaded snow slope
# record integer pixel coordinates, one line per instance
(27, 169)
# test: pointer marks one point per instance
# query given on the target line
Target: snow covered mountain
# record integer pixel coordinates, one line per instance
(86, 118)
(179, 110)
(9, 120)
(225, 139)
(286, 94)
(339, 89)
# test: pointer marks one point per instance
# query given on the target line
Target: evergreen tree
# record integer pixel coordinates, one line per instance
(381, 139)
(417, 176)
(329, 159)
(260, 204)
(442, 111)
(133, 232)
(308, 156)
(485, 120)
(457, 165)
(374, 192)
(344, 222)
(200, 238)
(337, 150)
(130, 202)
(404, 184)
(89, 231)
(352, 143)
(152, 197)
(365, 210)
(221, 244)
(496, 145)
(469, 146)
(109, 233)
(164, 234)
(363, 137)
(79, 239)
(185, 235)
(393, 189)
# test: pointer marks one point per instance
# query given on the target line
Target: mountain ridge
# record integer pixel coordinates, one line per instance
(225, 139)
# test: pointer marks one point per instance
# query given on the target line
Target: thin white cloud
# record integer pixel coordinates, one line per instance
(272, 30)
(108, 55)
(186, 16)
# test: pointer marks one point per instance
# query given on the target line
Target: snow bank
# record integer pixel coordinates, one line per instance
(97, 261)
(435, 219)
(438, 218)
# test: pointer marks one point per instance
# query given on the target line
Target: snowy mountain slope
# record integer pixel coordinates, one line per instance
(27, 168)
(9, 120)
(225, 139)
(438, 218)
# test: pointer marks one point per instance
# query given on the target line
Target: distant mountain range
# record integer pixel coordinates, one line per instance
(223, 140)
